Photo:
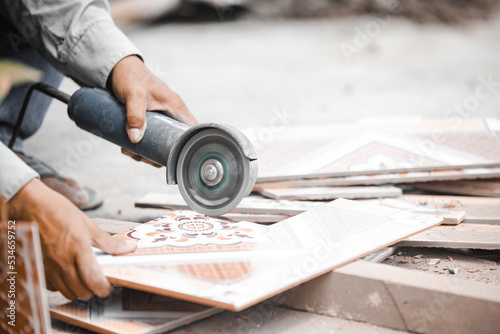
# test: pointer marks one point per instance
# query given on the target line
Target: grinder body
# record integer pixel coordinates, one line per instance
(215, 165)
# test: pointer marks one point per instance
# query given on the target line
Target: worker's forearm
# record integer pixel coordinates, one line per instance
(77, 36)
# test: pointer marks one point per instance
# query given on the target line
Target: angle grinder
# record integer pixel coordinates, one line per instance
(214, 165)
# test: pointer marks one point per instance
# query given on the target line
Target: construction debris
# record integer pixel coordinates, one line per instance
(433, 262)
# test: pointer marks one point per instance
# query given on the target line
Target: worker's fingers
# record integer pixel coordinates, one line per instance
(136, 104)
(74, 282)
(55, 281)
(140, 90)
(111, 245)
(91, 274)
(150, 162)
(49, 285)
(132, 155)
(139, 158)
(171, 104)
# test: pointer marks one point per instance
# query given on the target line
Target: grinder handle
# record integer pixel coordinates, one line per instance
(97, 111)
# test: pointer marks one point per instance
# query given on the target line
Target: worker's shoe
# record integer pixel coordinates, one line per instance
(85, 198)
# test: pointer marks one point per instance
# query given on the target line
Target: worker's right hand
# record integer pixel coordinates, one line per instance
(140, 90)
(67, 235)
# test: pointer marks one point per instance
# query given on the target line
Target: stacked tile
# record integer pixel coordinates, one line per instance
(304, 165)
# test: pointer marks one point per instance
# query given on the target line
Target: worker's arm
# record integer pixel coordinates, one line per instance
(66, 233)
(79, 38)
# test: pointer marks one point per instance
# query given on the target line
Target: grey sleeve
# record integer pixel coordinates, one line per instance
(78, 37)
(14, 173)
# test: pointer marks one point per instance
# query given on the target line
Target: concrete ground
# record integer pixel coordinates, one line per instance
(242, 72)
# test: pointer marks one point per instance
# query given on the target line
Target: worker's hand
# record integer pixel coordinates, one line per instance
(139, 158)
(67, 235)
(140, 90)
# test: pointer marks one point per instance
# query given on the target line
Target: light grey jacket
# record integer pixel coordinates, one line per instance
(79, 38)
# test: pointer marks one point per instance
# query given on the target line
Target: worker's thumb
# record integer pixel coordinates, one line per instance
(136, 115)
(111, 245)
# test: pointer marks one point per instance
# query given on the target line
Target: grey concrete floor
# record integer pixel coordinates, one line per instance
(242, 72)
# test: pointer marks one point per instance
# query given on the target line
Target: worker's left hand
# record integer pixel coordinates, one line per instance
(66, 236)
(137, 157)
(140, 90)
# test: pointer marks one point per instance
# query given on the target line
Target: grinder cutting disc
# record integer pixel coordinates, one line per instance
(213, 173)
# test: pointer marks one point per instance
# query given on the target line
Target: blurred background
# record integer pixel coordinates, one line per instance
(252, 62)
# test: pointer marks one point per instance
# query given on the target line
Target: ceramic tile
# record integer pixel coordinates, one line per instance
(349, 149)
(471, 236)
(262, 218)
(329, 193)
(249, 205)
(450, 217)
(131, 311)
(487, 188)
(365, 179)
(189, 232)
(478, 210)
(21, 263)
(251, 263)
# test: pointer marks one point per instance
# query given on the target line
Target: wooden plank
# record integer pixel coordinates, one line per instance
(235, 265)
(474, 236)
(329, 193)
(401, 299)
